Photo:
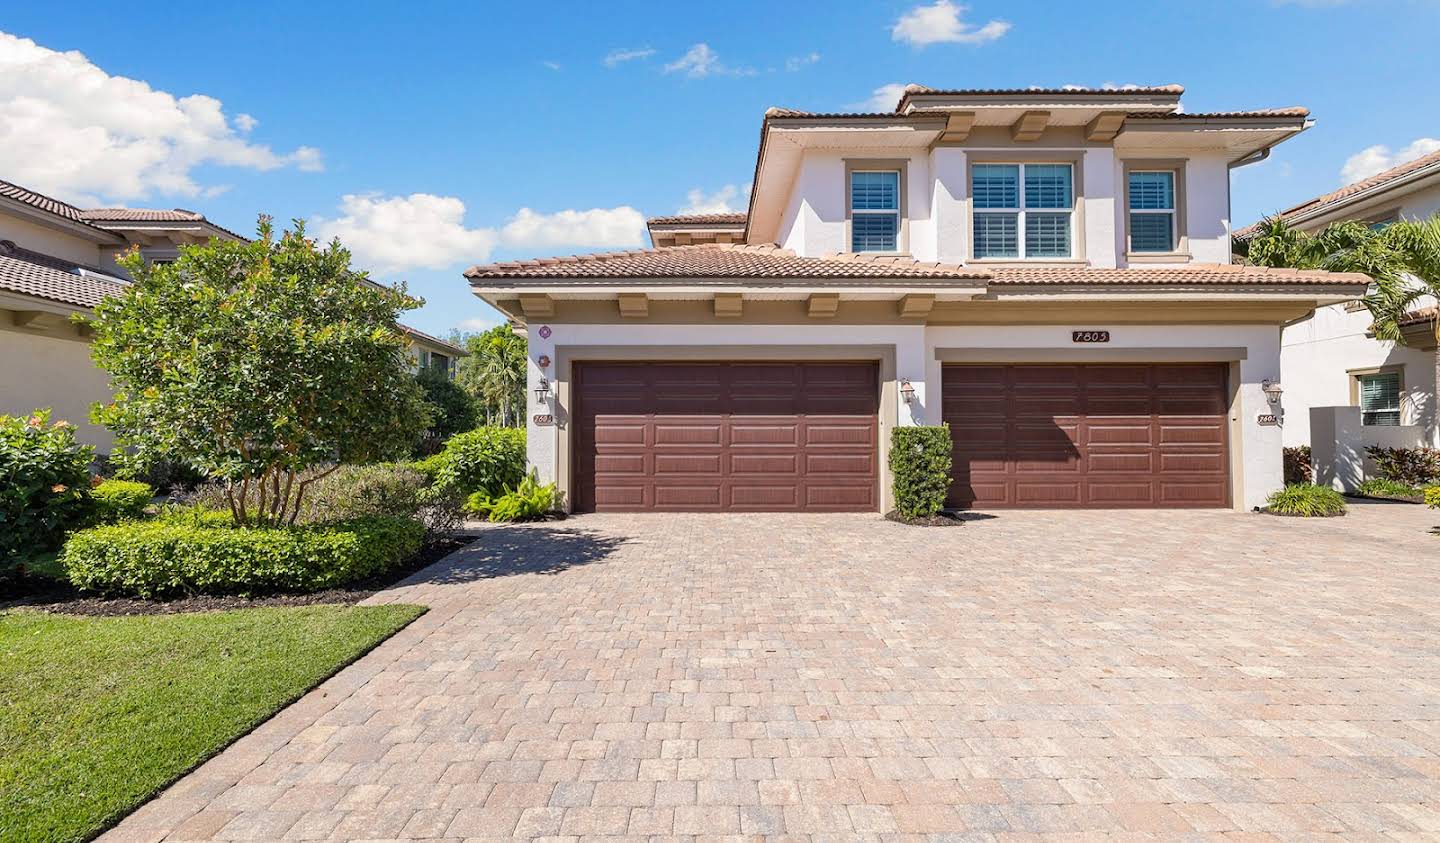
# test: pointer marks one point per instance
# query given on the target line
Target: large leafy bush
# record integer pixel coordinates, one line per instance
(255, 362)
(44, 483)
(1410, 466)
(120, 500)
(169, 556)
(920, 462)
(1307, 501)
(487, 459)
(453, 409)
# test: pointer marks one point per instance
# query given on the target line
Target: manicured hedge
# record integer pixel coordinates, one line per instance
(487, 459)
(120, 500)
(169, 556)
(920, 463)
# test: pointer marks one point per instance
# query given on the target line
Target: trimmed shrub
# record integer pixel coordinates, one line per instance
(1410, 466)
(920, 463)
(486, 459)
(357, 491)
(44, 483)
(167, 557)
(1377, 487)
(1432, 497)
(1307, 501)
(526, 502)
(1298, 468)
(120, 500)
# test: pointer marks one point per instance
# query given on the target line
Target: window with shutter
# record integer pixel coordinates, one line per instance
(1151, 195)
(1380, 399)
(1022, 211)
(875, 211)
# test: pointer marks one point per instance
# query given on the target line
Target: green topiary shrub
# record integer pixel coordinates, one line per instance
(486, 459)
(44, 483)
(168, 557)
(1307, 501)
(526, 502)
(120, 500)
(1297, 465)
(920, 463)
(1410, 466)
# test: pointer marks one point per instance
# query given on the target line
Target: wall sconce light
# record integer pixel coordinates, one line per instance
(907, 392)
(1272, 390)
(542, 390)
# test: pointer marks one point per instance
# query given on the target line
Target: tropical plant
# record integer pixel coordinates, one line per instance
(1377, 487)
(486, 459)
(1298, 468)
(44, 483)
(453, 409)
(529, 500)
(1409, 466)
(256, 362)
(1306, 500)
(495, 373)
(1403, 258)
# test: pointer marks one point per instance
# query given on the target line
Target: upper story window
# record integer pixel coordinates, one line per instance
(1023, 211)
(1379, 395)
(875, 211)
(1151, 195)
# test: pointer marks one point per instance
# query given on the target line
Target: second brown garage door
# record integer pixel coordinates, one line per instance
(733, 436)
(1100, 436)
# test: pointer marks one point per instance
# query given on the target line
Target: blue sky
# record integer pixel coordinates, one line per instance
(442, 121)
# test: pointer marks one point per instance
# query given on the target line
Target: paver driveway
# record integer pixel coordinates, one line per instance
(845, 677)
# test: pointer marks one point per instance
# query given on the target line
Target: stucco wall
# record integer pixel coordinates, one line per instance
(44, 371)
(1338, 456)
(40, 238)
(914, 352)
(1318, 355)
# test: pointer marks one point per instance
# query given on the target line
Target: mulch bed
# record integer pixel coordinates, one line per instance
(1389, 498)
(940, 519)
(49, 595)
(1269, 511)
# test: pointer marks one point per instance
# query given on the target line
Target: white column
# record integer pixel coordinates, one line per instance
(1100, 177)
(948, 204)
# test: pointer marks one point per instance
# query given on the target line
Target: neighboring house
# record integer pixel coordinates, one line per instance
(1331, 359)
(57, 260)
(1046, 270)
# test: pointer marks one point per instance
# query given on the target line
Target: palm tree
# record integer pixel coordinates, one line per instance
(495, 372)
(1403, 258)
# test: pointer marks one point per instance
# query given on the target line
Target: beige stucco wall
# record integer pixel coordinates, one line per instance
(50, 241)
(40, 370)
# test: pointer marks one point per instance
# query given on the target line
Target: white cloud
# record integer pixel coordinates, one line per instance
(1377, 159)
(795, 63)
(942, 23)
(552, 65)
(619, 56)
(595, 228)
(75, 131)
(728, 199)
(883, 98)
(700, 61)
(423, 231)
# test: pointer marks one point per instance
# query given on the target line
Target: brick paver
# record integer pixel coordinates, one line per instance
(842, 677)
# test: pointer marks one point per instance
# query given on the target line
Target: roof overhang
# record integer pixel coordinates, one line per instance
(1388, 191)
(178, 231)
(1237, 137)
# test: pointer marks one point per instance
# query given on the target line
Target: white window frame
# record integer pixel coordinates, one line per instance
(1021, 211)
(1173, 211)
(895, 212)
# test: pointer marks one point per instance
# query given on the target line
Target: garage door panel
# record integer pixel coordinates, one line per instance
(1104, 435)
(726, 436)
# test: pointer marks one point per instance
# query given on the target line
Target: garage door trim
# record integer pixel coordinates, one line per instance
(1133, 354)
(566, 355)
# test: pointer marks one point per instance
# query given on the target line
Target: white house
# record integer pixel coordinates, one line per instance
(1360, 390)
(57, 260)
(1047, 270)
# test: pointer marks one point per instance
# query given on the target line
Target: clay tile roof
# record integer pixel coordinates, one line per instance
(1416, 317)
(1337, 198)
(737, 219)
(19, 274)
(41, 201)
(1290, 111)
(722, 261)
(141, 215)
(1180, 276)
(434, 340)
(1117, 92)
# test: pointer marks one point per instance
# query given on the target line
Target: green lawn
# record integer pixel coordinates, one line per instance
(98, 713)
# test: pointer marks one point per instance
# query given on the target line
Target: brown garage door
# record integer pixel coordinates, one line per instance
(1101, 436)
(704, 437)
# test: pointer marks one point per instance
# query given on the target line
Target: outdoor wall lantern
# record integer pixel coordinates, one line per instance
(907, 392)
(1272, 390)
(542, 390)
